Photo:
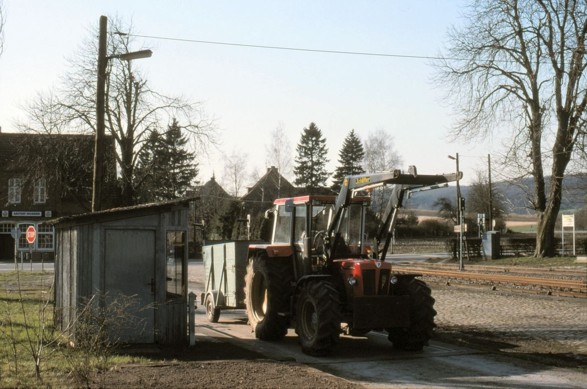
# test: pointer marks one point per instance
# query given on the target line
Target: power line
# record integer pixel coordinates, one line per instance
(362, 53)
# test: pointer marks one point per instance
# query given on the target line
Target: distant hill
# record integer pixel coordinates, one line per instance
(517, 194)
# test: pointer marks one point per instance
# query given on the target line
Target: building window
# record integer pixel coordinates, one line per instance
(45, 236)
(6, 228)
(40, 191)
(22, 242)
(14, 190)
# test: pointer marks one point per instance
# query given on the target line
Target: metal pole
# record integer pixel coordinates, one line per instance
(490, 194)
(100, 126)
(16, 248)
(460, 217)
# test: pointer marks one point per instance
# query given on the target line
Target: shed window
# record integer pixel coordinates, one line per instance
(14, 190)
(176, 246)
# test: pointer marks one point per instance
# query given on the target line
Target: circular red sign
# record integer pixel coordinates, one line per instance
(31, 234)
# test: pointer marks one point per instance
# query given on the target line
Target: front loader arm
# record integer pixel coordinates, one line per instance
(402, 182)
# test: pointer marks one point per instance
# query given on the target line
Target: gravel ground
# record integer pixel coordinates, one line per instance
(547, 329)
(550, 329)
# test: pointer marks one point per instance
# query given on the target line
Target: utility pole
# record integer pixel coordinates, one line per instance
(100, 125)
(460, 210)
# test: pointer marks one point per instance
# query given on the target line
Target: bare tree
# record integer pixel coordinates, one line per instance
(235, 166)
(279, 151)
(520, 64)
(133, 109)
(380, 156)
(480, 200)
(379, 152)
(446, 209)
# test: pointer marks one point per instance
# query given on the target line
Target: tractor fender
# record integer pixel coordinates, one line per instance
(217, 296)
(271, 250)
(406, 276)
(312, 277)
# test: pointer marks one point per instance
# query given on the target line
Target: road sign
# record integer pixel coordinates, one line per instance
(568, 220)
(15, 233)
(31, 234)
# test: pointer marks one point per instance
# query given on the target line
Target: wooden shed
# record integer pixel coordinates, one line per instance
(130, 266)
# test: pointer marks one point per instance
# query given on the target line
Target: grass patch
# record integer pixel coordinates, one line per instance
(33, 352)
(533, 262)
(523, 229)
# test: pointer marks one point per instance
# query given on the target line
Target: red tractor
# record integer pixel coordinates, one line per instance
(321, 276)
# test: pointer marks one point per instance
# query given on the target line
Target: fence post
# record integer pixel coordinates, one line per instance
(192, 317)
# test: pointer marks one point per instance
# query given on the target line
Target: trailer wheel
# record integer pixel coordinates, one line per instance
(267, 295)
(318, 317)
(212, 312)
(417, 335)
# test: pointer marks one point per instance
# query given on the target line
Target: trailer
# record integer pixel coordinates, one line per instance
(225, 266)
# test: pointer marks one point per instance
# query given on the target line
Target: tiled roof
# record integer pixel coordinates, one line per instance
(269, 187)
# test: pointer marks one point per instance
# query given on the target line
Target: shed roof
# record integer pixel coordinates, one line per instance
(121, 213)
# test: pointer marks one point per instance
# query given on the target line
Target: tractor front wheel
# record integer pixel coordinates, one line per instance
(417, 335)
(318, 317)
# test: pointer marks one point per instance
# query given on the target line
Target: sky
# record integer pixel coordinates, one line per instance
(249, 92)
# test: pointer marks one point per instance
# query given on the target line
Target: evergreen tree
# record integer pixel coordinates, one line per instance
(166, 168)
(182, 168)
(310, 169)
(149, 168)
(350, 158)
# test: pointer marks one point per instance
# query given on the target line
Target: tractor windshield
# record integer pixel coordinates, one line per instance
(319, 219)
(350, 234)
(282, 231)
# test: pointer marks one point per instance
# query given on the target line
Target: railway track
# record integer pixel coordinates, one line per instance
(562, 281)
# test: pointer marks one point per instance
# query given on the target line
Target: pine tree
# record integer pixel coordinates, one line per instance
(182, 169)
(167, 169)
(310, 169)
(149, 168)
(350, 158)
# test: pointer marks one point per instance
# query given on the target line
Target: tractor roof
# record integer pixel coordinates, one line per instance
(325, 199)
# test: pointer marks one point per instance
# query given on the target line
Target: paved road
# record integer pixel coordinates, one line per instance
(27, 266)
(372, 361)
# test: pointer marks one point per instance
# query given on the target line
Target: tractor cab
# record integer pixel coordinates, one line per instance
(302, 223)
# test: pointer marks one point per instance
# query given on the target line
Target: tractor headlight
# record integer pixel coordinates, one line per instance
(352, 281)
(393, 280)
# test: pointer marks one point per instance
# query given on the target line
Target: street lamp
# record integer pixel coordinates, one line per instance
(460, 209)
(100, 109)
(490, 193)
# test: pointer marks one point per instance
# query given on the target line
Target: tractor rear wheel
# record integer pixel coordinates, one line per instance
(417, 335)
(318, 317)
(267, 295)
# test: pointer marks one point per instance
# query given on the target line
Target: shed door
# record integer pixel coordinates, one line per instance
(130, 281)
